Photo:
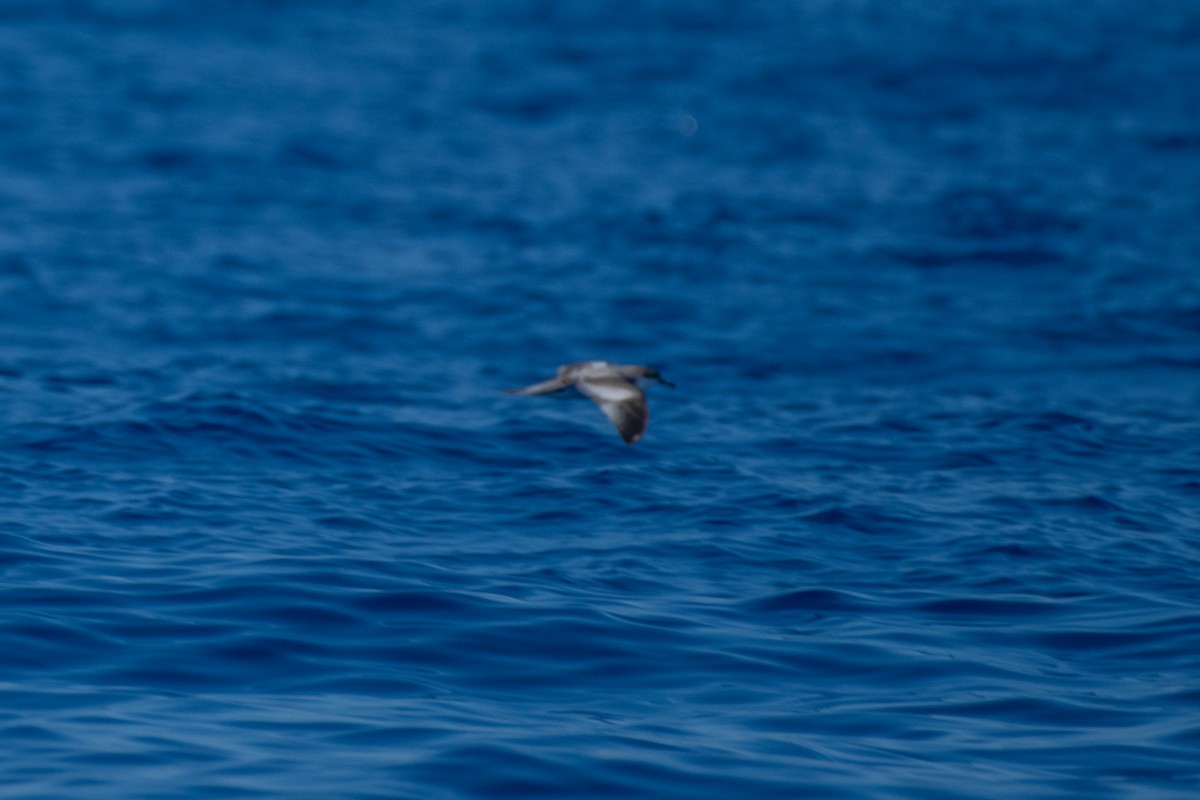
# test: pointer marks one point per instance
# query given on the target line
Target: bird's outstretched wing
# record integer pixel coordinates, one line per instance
(623, 402)
(545, 387)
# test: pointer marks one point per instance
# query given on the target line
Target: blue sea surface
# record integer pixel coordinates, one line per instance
(920, 520)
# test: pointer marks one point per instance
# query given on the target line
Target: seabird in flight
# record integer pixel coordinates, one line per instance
(612, 386)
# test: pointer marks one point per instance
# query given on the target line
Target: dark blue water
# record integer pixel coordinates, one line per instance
(921, 520)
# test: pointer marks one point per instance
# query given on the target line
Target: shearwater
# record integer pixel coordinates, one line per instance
(612, 386)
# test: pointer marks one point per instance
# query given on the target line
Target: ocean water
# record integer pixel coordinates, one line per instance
(920, 520)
